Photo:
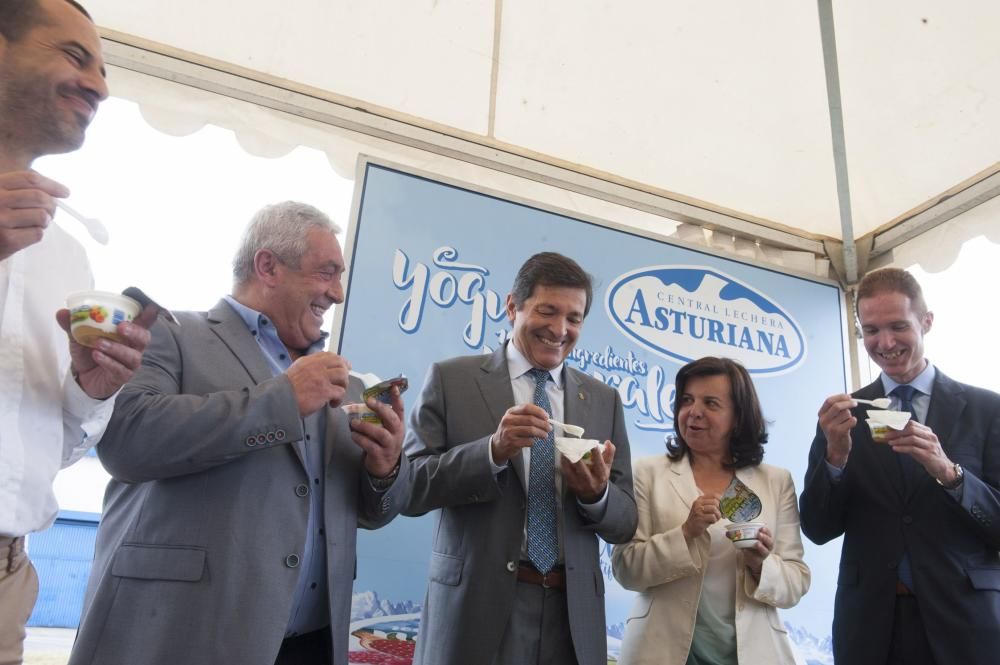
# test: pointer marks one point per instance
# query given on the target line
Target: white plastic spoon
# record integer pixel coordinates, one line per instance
(878, 402)
(93, 226)
(569, 430)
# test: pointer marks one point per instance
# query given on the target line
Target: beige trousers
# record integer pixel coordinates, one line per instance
(18, 592)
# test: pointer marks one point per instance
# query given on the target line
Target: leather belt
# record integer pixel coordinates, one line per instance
(554, 579)
(14, 547)
(902, 589)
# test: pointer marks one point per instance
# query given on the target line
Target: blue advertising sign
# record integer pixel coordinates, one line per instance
(430, 265)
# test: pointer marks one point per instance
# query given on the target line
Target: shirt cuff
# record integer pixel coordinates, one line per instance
(489, 452)
(84, 419)
(595, 511)
(836, 473)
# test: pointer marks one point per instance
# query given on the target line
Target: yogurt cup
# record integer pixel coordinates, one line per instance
(362, 412)
(94, 315)
(879, 430)
(880, 422)
(574, 449)
(743, 534)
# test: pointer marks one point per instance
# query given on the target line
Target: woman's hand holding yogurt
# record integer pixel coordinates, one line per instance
(754, 556)
(704, 513)
(103, 370)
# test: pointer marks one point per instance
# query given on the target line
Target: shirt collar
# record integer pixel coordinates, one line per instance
(518, 365)
(923, 382)
(260, 326)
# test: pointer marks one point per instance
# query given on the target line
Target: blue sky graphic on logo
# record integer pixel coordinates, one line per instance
(687, 312)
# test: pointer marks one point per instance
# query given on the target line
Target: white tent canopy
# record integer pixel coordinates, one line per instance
(721, 114)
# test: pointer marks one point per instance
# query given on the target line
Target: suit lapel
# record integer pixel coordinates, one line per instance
(577, 401)
(947, 405)
(494, 386)
(681, 480)
(887, 461)
(232, 331)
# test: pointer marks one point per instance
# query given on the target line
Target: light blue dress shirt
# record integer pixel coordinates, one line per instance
(310, 602)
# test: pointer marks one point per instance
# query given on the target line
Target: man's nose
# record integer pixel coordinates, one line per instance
(93, 81)
(886, 340)
(336, 292)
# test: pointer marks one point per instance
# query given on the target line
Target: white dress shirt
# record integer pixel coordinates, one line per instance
(46, 421)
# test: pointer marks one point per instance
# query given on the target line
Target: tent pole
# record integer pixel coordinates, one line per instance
(827, 33)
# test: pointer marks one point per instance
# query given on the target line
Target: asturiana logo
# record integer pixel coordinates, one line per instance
(686, 312)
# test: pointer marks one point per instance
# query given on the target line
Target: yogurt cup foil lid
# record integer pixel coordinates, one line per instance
(739, 503)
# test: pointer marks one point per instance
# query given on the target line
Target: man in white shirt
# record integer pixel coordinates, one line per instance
(55, 395)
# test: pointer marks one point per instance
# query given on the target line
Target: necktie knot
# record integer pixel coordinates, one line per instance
(539, 375)
(904, 393)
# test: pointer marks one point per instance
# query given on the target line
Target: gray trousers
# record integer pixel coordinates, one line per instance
(538, 630)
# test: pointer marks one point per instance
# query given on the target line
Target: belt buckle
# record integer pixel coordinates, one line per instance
(545, 581)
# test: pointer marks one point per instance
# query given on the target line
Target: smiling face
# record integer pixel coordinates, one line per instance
(894, 334)
(299, 297)
(51, 82)
(548, 324)
(707, 416)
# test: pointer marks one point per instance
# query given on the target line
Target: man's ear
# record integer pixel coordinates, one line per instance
(926, 322)
(265, 266)
(511, 308)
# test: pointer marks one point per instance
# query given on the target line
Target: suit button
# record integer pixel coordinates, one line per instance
(251, 441)
(270, 437)
(292, 560)
(511, 566)
(280, 435)
(907, 519)
(302, 490)
(261, 439)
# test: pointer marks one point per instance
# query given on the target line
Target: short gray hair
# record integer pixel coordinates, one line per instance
(281, 228)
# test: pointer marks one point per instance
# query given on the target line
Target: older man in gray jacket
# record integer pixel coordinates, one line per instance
(230, 523)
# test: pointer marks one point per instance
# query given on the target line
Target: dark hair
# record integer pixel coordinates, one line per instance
(18, 17)
(894, 280)
(550, 269)
(746, 446)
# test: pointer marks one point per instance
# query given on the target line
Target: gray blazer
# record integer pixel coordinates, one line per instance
(205, 516)
(481, 516)
(952, 545)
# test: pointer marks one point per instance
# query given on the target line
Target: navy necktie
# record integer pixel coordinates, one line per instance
(543, 540)
(904, 393)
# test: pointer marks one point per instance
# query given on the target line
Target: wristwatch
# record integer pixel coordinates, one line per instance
(959, 478)
(382, 484)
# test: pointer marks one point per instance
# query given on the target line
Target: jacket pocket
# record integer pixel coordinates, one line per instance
(848, 574)
(984, 571)
(640, 607)
(446, 569)
(159, 562)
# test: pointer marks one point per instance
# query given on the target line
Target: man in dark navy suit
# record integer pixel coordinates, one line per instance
(919, 578)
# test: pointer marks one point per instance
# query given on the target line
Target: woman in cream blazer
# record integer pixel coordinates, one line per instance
(668, 569)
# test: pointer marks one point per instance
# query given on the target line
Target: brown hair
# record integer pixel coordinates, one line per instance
(894, 280)
(746, 445)
(18, 17)
(550, 269)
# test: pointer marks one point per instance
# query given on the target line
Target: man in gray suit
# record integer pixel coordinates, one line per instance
(515, 575)
(237, 484)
